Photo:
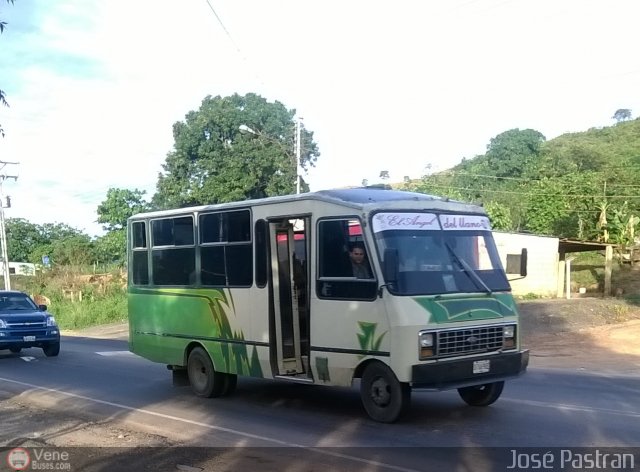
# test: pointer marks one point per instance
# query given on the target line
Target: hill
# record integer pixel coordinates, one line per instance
(578, 185)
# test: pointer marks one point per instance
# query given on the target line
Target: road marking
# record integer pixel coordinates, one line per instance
(566, 407)
(27, 358)
(212, 427)
(114, 353)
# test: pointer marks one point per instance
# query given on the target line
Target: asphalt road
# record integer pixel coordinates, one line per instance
(327, 428)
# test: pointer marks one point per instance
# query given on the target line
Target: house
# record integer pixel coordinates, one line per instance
(22, 268)
(548, 263)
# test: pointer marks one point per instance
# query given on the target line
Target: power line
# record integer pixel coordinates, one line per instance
(534, 194)
(519, 179)
(235, 45)
(224, 28)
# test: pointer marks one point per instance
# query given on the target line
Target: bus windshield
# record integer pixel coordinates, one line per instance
(440, 253)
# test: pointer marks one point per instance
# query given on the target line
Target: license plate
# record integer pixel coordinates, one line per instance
(480, 367)
(28, 338)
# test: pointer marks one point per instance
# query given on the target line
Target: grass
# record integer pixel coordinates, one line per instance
(103, 302)
(83, 314)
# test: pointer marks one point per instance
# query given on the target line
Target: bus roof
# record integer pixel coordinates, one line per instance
(363, 198)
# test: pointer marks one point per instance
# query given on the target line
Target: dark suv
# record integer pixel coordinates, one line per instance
(25, 324)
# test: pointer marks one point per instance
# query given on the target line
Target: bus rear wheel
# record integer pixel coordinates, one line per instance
(203, 378)
(384, 398)
(481, 395)
(230, 382)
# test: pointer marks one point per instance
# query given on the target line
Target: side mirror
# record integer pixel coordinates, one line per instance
(390, 266)
(523, 262)
(42, 307)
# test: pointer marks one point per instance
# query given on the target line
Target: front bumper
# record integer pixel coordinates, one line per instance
(13, 341)
(447, 374)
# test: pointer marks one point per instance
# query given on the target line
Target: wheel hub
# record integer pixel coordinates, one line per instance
(380, 392)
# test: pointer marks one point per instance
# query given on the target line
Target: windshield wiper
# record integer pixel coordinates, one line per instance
(468, 270)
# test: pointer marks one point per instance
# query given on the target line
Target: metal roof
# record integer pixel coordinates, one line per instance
(573, 245)
(354, 197)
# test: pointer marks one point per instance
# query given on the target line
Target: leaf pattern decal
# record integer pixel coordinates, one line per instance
(367, 336)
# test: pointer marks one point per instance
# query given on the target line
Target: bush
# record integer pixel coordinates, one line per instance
(79, 298)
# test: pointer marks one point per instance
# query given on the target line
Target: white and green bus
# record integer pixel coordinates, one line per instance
(264, 288)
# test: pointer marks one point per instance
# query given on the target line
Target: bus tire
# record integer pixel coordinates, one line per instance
(384, 398)
(230, 382)
(203, 378)
(481, 395)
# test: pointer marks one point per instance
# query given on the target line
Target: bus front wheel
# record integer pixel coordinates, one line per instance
(203, 378)
(383, 396)
(481, 395)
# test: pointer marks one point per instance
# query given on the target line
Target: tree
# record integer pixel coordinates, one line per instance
(214, 161)
(622, 114)
(514, 152)
(119, 205)
(75, 250)
(29, 242)
(24, 237)
(111, 248)
(500, 216)
(3, 100)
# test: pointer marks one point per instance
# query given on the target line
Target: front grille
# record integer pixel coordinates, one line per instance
(469, 340)
(27, 324)
(38, 333)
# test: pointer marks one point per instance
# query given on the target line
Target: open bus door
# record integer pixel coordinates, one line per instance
(289, 273)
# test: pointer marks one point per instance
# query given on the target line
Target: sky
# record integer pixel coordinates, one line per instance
(409, 86)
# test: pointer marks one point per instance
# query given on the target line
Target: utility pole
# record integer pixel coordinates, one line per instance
(5, 202)
(298, 151)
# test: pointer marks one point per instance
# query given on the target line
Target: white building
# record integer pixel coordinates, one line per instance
(22, 268)
(547, 262)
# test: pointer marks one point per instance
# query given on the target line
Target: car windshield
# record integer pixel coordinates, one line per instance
(440, 253)
(16, 302)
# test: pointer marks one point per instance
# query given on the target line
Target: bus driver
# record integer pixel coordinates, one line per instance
(359, 264)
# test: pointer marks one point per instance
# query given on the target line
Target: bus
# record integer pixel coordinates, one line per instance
(264, 288)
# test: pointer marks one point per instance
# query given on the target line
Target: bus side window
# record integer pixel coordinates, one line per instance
(334, 256)
(335, 274)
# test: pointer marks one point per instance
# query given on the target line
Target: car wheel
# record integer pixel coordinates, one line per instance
(383, 396)
(481, 395)
(51, 349)
(204, 380)
(15, 350)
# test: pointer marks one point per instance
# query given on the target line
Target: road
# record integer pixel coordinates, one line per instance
(98, 381)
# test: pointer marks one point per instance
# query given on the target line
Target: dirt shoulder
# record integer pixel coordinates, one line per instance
(584, 333)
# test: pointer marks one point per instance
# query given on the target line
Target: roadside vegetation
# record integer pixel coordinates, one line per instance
(77, 297)
(579, 185)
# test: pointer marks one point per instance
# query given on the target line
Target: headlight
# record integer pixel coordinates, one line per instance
(426, 339)
(426, 344)
(3, 324)
(51, 321)
(509, 337)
